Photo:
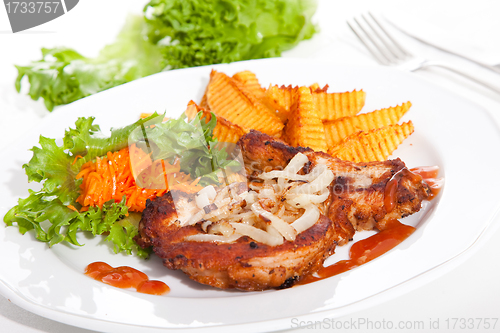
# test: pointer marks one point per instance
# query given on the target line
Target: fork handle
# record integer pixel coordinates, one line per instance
(459, 72)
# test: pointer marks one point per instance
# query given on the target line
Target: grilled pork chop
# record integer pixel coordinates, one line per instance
(357, 197)
(359, 200)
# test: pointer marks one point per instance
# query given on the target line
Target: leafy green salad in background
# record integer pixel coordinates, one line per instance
(172, 34)
(47, 212)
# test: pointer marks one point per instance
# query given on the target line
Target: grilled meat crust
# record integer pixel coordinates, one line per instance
(263, 153)
(244, 264)
(358, 190)
(356, 202)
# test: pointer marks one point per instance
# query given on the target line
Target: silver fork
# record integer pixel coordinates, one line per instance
(384, 47)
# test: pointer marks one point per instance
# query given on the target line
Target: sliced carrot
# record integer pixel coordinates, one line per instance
(76, 158)
(111, 177)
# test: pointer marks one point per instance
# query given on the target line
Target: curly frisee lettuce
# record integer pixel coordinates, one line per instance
(56, 213)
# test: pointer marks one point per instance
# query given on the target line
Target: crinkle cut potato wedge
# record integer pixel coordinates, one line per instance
(250, 81)
(304, 128)
(332, 106)
(281, 99)
(375, 145)
(224, 131)
(230, 99)
(306, 116)
(315, 86)
(203, 102)
(192, 109)
(339, 129)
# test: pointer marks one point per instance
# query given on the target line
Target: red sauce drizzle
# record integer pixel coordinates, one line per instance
(153, 287)
(429, 175)
(365, 250)
(394, 232)
(125, 277)
(391, 188)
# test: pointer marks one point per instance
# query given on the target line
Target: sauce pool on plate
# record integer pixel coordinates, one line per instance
(365, 250)
(430, 175)
(394, 232)
(125, 277)
(360, 253)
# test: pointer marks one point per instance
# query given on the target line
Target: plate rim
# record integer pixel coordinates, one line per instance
(376, 299)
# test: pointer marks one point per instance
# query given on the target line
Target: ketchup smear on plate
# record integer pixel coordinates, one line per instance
(360, 253)
(393, 234)
(125, 277)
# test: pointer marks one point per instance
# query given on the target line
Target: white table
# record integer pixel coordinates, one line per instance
(470, 290)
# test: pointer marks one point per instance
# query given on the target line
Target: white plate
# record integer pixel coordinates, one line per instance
(449, 131)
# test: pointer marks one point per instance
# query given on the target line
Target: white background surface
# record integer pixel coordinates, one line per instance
(470, 290)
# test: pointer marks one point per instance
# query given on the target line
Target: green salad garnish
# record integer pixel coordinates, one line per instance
(172, 34)
(48, 211)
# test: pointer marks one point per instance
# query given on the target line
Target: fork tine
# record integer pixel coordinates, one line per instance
(396, 53)
(379, 41)
(380, 57)
(388, 57)
(401, 48)
(373, 39)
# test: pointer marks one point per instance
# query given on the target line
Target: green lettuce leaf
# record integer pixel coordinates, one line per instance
(193, 141)
(198, 32)
(47, 212)
(63, 75)
(171, 34)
